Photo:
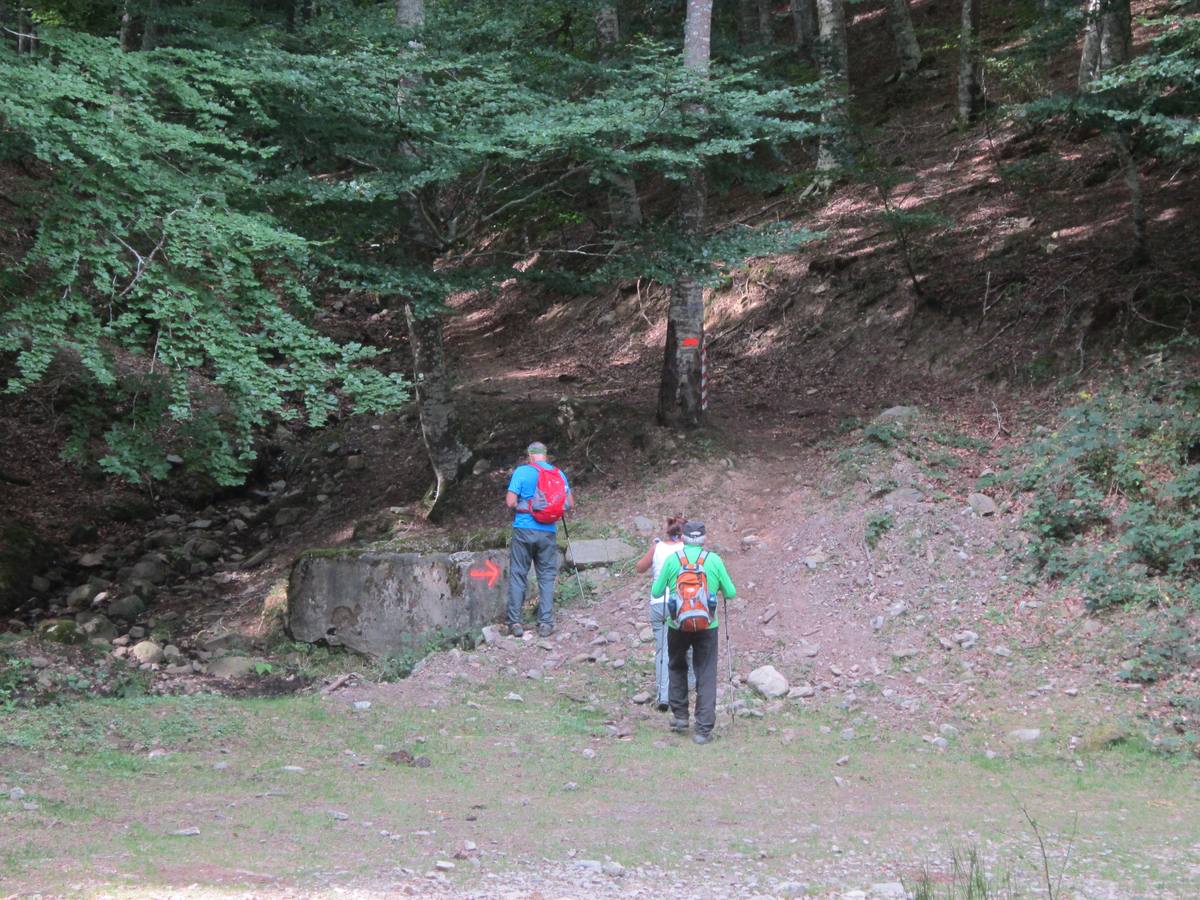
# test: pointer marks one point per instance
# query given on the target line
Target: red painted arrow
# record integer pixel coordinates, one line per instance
(490, 571)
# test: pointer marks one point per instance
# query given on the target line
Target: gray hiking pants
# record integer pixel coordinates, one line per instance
(703, 645)
(540, 548)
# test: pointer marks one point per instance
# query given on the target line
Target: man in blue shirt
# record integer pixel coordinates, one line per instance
(532, 541)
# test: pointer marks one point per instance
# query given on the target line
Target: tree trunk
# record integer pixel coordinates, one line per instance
(439, 427)
(151, 26)
(679, 396)
(410, 13)
(126, 33)
(832, 60)
(754, 22)
(624, 207)
(970, 76)
(907, 48)
(804, 24)
(448, 456)
(1137, 207)
(1107, 38)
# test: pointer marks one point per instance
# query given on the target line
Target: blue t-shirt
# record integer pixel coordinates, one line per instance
(524, 484)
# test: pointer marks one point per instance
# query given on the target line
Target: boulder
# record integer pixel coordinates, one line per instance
(150, 568)
(147, 652)
(202, 548)
(588, 554)
(901, 497)
(769, 682)
(982, 504)
(897, 414)
(643, 525)
(127, 607)
(98, 628)
(231, 667)
(61, 631)
(382, 602)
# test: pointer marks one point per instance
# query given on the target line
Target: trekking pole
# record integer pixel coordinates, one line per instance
(571, 550)
(729, 657)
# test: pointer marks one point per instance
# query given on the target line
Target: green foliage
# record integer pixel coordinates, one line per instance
(1116, 492)
(878, 524)
(156, 270)
(195, 203)
(1168, 644)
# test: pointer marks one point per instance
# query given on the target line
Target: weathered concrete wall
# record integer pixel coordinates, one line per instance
(382, 602)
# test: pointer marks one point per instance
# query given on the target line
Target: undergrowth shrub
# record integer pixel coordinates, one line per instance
(1116, 492)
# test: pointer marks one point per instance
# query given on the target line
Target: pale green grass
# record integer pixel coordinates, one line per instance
(498, 776)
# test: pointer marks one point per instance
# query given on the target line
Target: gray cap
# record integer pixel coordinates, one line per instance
(536, 447)
(693, 532)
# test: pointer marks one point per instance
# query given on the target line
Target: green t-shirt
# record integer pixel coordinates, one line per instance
(714, 571)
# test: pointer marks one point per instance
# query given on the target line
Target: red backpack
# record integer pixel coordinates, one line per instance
(549, 498)
(691, 603)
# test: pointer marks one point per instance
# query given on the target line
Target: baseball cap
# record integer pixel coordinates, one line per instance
(693, 532)
(536, 447)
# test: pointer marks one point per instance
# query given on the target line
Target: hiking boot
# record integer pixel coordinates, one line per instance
(545, 630)
(662, 707)
(679, 725)
(516, 629)
(699, 738)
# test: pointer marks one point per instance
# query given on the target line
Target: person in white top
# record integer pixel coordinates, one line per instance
(662, 548)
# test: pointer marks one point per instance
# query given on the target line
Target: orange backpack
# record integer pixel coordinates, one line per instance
(691, 603)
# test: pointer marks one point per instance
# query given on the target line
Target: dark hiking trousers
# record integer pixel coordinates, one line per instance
(704, 660)
(540, 548)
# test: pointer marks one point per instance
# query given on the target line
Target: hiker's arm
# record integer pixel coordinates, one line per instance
(643, 564)
(724, 585)
(510, 500)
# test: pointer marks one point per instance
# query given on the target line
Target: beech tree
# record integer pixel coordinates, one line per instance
(1107, 38)
(833, 63)
(679, 396)
(623, 203)
(970, 76)
(904, 35)
(804, 26)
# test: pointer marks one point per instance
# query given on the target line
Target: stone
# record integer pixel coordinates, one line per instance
(491, 634)
(644, 526)
(903, 653)
(443, 865)
(801, 692)
(186, 832)
(39, 585)
(81, 597)
(338, 816)
(807, 650)
(151, 569)
(287, 516)
(889, 890)
(1001, 650)
(224, 640)
(91, 560)
(147, 652)
(97, 627)
(481, 467)
(982, 504)
(362, 705)
(587, 554)
(966, 639)
(790, 890)
(203, 549)
(384, 602)
(231, 667)
(613, 869)
(948, 731)
(768, 681)
(1025, 735)
(60, 631)
(641, 697)
(901, 497)
(16, 794)
(897, 414)
(172, 654)
(127, 607)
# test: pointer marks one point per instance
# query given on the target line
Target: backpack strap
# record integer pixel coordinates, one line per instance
(683, 560)
(701, 558)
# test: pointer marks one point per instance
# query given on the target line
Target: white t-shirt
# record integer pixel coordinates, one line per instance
(662, 550)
